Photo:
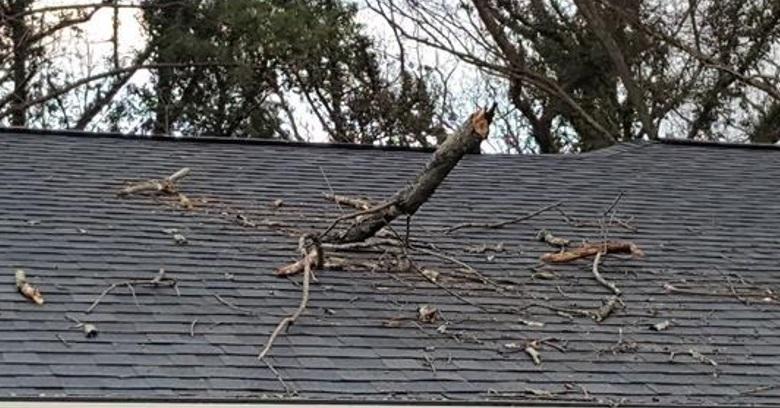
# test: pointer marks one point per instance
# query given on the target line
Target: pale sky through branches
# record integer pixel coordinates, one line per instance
(95, 47)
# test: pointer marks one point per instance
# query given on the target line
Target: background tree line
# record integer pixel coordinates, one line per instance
(569, 75)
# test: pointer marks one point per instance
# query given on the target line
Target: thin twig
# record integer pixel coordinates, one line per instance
(484, 279)
(192, 327)
(760, 389)
(614, 204)
(501, 224)
(311, 258)
(246, 312)
(132, 292)
(460, 297)
(332, 192)
(768, 295)
(600, 279)
(158, 280)
(65, 342)
(287, 389)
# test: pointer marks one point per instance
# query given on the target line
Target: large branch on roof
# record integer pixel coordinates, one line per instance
(409, 199)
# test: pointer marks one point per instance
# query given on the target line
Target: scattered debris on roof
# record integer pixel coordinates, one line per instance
(698, 297)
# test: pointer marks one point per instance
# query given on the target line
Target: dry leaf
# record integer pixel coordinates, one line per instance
(427, 314)
(26, 289)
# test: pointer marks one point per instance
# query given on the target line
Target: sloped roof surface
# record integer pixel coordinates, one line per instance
(707, 218)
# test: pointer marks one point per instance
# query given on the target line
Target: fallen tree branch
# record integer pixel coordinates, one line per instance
(311, 256)
(164, 186)
(501, 224)
(356, 203)
(600, 279)
(591, 249)
(409, 199)
(372, 210)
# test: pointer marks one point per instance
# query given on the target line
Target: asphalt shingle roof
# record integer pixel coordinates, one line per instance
(707, 219)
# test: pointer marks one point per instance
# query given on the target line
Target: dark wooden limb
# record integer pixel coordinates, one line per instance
(409, 199)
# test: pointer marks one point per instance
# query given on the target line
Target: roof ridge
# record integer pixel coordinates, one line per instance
(207, 139)
(613, 149)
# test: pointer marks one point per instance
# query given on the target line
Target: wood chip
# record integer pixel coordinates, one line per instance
(612, 303)
(660, 326)
(544, 275)
(534, 354)
(180, 239)
(531, 323)
(185, 202)
(431, 274)
(548, 237)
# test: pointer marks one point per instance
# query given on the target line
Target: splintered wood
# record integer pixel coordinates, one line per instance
(166, 186)
(24, 287)
(591, 249)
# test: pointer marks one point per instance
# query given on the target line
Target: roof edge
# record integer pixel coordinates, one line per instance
(207, 139)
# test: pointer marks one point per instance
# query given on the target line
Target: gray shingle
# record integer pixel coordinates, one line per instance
(702, 212)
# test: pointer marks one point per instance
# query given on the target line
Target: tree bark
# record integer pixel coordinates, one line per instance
(20, 34)
(409, 199)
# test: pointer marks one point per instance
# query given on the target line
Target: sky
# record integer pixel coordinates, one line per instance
(98, 46)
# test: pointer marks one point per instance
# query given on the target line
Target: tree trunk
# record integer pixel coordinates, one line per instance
(19, 41)
(409, 199)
